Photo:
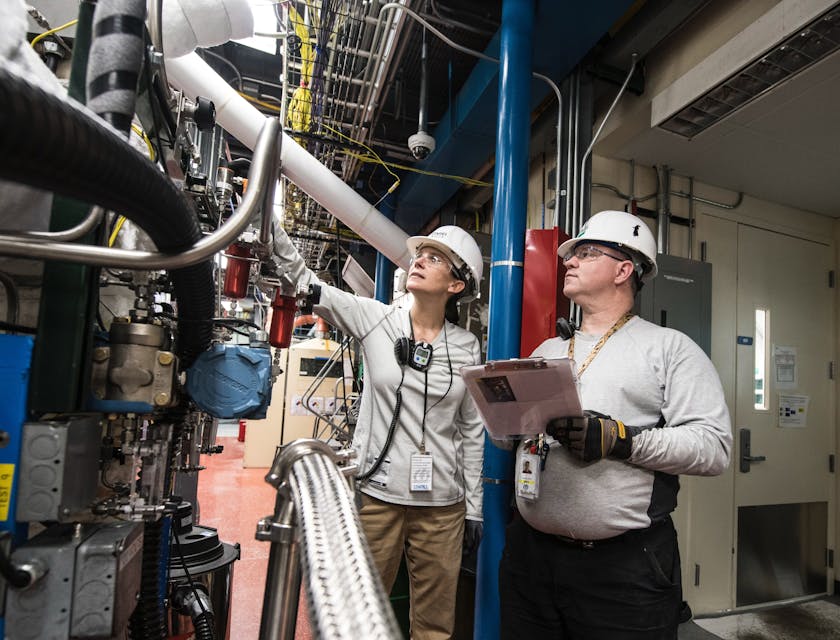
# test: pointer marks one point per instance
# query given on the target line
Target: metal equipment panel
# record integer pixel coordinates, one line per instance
(796, 550)
(680, 297)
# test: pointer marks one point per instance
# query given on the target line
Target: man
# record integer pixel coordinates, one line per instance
(593, 556)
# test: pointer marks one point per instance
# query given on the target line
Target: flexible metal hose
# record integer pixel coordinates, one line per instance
(344, 592)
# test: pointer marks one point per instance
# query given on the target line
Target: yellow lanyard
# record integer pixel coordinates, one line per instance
(618, 324)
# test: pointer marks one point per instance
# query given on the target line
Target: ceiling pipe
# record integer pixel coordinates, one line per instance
(195, 77)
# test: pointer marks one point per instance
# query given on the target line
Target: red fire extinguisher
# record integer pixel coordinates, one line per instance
(282, 320)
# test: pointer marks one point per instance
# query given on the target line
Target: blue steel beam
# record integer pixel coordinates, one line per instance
(510, 196)
(564, 32)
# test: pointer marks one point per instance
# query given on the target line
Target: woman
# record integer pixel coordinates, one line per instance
(419, 438)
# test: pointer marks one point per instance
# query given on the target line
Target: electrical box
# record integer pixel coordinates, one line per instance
(90, 588)
(59, 468)
(680, 297)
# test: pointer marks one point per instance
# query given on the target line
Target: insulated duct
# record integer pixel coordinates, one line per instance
(195, 77)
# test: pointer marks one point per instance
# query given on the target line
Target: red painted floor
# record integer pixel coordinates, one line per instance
(232, 500)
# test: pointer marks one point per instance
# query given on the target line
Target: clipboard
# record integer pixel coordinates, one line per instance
(519, 396)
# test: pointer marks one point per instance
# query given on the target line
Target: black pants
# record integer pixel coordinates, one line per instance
(626, 589)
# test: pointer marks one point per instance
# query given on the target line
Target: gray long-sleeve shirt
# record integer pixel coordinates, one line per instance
(454, 433)
(642, 374)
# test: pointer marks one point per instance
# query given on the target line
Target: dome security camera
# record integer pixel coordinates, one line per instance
(421, 145)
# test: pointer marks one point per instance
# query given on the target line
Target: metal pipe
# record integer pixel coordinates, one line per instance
(259, 175)
(283, 578)
(620, 194)
(690, 216)
(90, 222)
(633, 58)
(12, 298)
(423, 117)
(510, 194)
(570, 184)
(663, 231)
(272, 162)
(722, 205)
(155, 23)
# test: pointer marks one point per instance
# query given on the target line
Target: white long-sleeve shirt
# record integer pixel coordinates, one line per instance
(454, 433)
(642, 374)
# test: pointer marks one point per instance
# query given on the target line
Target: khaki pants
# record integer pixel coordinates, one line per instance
(431, 538)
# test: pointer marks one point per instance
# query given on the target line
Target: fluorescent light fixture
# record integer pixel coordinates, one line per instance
(357, 278)
(808, 45)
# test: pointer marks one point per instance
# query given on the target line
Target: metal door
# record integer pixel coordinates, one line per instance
(784, 417)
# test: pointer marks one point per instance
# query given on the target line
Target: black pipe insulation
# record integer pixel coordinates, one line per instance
(115, 60)
(48, 143)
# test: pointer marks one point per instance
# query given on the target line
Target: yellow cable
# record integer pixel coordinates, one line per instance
(266, 105)
(469, 181)
(41, 36)
(148, 142)
(116, 230)
(375, 155)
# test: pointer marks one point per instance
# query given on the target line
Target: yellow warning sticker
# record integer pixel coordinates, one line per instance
(7, 474)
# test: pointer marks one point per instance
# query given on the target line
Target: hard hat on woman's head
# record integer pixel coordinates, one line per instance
(461, 249)
(622, 230)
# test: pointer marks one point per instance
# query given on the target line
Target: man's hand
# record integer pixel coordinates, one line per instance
(592, 437)
(473, 530)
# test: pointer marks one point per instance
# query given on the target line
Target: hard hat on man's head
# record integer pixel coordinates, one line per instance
(623, 230)
(461, 249)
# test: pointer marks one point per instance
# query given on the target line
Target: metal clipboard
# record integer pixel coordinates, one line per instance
(519, 396)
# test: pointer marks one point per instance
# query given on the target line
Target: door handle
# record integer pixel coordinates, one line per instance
(746, 452)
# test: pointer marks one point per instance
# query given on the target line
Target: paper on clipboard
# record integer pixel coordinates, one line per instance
(518, 396)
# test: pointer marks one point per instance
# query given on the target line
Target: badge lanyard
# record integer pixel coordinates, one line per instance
(618, 324)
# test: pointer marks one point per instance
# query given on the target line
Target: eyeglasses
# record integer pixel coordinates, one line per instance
(588, 253)
(433, 259)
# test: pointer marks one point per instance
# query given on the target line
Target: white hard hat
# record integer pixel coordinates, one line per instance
(461, 248)
(622, 229)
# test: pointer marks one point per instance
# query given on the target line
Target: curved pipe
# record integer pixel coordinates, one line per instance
(262, 174)
(90, 222)
(634, 58)
(12, 299)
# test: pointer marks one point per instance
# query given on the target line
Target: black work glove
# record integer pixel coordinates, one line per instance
(593, 437)
(473, 530)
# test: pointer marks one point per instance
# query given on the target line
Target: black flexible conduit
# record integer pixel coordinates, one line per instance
(46, 142)
(115, 59)
(148, 620)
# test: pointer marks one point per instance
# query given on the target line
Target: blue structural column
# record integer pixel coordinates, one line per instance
(384, 282)
(508, 249)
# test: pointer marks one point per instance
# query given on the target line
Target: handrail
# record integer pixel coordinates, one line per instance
(264, 172)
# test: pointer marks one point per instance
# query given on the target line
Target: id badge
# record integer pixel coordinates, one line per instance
(528, 476)
(421, 471)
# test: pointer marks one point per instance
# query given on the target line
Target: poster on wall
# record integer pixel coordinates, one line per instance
(784, 367)
(793, 411)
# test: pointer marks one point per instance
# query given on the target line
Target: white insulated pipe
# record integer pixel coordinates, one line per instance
(195, 77)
